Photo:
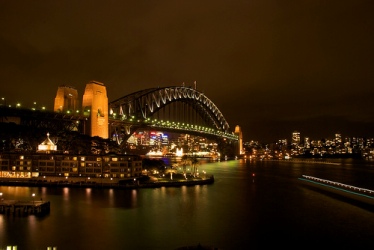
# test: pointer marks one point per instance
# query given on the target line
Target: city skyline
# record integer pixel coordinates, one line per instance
(270, 68)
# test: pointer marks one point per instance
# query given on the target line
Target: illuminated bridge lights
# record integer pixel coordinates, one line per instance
(187, 127)
(124, 110)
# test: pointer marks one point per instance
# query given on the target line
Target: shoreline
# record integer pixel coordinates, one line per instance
(97, 184)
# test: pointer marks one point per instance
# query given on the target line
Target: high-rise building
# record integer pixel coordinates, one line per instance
(338, 139)
(306, 142)
(295, 138)
(66, 99)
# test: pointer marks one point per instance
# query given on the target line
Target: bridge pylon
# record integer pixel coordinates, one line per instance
(95, 104)
(239, 133)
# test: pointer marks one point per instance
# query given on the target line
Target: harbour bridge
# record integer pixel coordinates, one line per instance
(176, 109)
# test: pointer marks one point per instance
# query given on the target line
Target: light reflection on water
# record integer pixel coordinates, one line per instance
(251, 205)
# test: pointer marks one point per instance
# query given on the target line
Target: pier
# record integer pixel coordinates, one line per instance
(15, 207)
(358, 195)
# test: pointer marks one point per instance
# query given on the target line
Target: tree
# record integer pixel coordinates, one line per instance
(194, 162)
(184, 163)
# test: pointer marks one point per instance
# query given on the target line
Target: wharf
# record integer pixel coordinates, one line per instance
(358, 195)
(141, 182)
(15, 207)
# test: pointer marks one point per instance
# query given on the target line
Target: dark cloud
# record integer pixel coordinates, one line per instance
(272, 67)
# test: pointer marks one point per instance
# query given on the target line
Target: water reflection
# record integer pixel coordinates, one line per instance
(238, 211)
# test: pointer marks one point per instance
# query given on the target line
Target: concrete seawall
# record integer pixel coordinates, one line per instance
(105, 183)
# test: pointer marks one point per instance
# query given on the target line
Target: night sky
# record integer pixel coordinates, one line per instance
(270, 66)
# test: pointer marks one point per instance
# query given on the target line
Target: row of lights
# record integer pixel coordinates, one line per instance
(18, 105)
(169, 124)
(160, 123)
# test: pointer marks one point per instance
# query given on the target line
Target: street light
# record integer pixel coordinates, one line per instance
(33, 198)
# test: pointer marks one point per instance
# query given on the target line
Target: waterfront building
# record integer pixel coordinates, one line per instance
(47, 145)
(14, 165)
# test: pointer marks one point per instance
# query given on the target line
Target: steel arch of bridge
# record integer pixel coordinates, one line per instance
(143, 104)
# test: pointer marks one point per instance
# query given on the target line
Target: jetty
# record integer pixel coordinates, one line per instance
(16, 207)
(358, 195)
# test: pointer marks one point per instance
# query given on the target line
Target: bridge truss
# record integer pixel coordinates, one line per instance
(176, 108)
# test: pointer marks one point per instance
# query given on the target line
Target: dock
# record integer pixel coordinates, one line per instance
(357, 195)
(16, 207)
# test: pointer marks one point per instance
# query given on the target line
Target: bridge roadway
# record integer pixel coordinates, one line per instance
(132, 126)
(74, 121)
(176, 109)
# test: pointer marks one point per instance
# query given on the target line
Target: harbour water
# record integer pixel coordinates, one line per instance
(251, 205)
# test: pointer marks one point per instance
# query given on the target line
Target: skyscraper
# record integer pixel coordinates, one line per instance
(295, 138)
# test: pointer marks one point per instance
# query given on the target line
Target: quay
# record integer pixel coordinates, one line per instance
(130, 183)
(357, 195)
(15, 207)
